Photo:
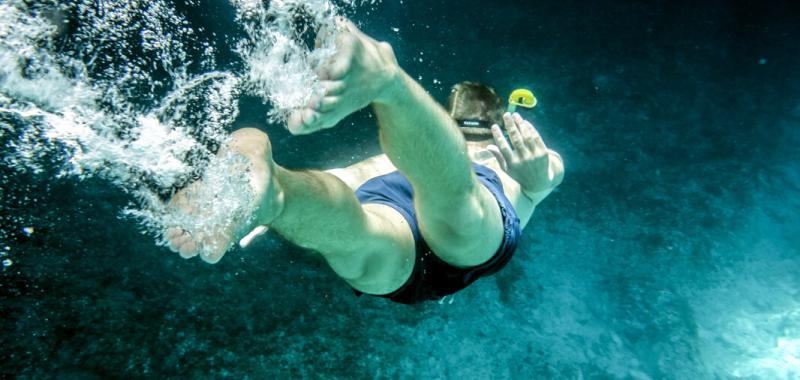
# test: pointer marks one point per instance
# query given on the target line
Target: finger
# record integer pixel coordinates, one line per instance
(498, 155)
(555, 154)
(533, 140)
(513, 134)
(527, 133)
(501, 142)
(537, 143)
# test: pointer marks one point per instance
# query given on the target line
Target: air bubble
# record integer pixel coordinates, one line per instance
(75, 113)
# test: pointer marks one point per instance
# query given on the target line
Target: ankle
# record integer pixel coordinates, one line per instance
(272, 201)
(393, 88)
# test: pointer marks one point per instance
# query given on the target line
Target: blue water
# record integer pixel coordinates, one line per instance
(669, 252)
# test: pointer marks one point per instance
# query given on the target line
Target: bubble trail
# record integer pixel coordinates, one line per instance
(127, 91)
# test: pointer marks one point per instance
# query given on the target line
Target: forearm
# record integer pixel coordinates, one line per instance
(420, 138)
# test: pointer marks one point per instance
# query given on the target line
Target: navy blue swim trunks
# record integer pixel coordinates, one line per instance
(432, 278)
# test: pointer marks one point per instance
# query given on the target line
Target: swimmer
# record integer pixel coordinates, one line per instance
(441, 207)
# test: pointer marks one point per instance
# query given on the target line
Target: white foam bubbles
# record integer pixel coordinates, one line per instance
(287, 41)
(280, 65)
(221, 204)
(61, 104)
(110, 94)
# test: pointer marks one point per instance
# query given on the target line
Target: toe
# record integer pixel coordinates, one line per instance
(188, 250)
(327, 103)
(212, 257)
(303, 121)
(172, 233)
(333, 87)
(295, 121)
(182, 239)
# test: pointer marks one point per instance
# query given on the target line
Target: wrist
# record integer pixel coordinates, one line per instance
(535, 196)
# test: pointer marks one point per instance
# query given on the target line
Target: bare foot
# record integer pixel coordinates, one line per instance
(358, 74)
(210, 215)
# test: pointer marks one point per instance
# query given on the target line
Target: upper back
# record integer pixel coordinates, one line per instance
(357, 174)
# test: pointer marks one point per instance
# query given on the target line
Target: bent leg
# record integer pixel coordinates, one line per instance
(369, 246)
(458, 217)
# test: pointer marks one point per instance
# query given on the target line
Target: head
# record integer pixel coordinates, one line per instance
(475, 107)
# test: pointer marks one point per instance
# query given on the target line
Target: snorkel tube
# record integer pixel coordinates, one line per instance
(521, 97)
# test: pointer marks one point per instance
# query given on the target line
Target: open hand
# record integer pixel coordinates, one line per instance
(527, 160)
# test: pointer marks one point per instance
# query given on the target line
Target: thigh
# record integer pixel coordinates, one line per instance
(385, 267)
(463, 231)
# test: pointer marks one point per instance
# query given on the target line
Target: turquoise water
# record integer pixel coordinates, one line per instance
(669, 252)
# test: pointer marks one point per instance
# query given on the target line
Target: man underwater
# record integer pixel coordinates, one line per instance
(425, 219)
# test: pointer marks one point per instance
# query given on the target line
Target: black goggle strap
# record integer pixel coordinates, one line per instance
(475, 124)
(475, 127)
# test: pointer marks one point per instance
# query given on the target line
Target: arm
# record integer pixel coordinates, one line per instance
(527, 160)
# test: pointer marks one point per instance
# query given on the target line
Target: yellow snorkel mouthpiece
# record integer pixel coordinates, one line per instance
(521, 97)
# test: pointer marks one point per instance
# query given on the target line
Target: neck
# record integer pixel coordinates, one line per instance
(478, 152)
(478, 145)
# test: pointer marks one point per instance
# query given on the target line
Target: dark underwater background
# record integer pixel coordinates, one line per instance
(669, 252)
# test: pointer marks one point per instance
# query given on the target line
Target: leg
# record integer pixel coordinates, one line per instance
(367, 246)
(458, 217)
(370, 246)
(203, 224)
